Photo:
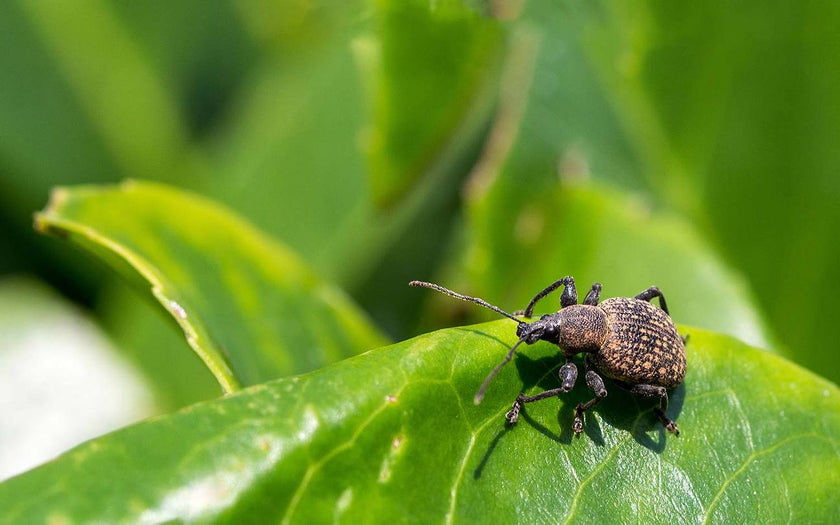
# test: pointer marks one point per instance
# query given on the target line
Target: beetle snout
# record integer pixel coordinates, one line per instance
(530, 333)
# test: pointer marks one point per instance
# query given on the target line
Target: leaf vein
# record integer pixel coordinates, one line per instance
(314, 467)
(600, 467)
(752, 457)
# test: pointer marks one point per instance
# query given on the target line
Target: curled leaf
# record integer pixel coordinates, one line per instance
(249, 307)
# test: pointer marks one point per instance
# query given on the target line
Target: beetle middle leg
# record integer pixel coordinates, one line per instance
(568, 376)
(596, 384)
(652, 292)
(662, 394)
(594, 294)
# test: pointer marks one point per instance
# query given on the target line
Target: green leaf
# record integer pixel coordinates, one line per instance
(249, 307)
(672, 99)
(154, 342)
(519, 246)
(394, 434)
(431, 65)
(102, 63)
(527, 229)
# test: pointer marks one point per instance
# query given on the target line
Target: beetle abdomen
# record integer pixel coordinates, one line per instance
(642, 346)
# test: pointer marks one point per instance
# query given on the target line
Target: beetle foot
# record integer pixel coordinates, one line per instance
(577, 426)
(667, 422)
(512, 415)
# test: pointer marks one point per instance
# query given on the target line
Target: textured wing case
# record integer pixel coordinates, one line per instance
(642, 344)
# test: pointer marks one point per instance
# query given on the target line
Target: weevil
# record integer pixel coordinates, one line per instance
(626, 339)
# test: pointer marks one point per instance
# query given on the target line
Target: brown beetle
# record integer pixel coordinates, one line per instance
(626, 339)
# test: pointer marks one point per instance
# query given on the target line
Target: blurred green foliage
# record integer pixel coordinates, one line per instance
(725, 117)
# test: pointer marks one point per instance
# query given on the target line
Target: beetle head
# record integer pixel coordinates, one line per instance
(546, 328)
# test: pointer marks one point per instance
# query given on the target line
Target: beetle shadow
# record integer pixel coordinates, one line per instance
(489, 452)
(543, 373)
(481, 333)
(634, 414)
(620, 409)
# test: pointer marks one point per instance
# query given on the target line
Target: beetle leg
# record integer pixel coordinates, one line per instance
(568, 375)
(593, 295)
(662, 394)
(596, 384)
(652, 292)
(567, 298)
(512, 415)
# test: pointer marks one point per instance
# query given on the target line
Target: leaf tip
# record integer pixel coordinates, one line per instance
(43, 222)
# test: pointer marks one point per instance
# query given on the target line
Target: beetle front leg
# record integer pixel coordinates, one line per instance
(568, 376)
(567, 298)
(596, 384)
(662, 394)
(512, 415)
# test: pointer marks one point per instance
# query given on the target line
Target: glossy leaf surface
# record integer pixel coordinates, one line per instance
(248, 306)
(394, 433)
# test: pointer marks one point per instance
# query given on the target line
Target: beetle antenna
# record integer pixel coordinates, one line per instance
(479, 396)
(475, 300)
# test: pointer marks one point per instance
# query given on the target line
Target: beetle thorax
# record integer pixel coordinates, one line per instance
(583, 328)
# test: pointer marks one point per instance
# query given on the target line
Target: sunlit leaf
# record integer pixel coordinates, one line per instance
(248, 306)
(758, 443)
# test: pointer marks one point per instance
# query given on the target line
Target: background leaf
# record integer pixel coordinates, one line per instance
(758, 442)
(249, 307)
(152, 339)
(432, 64)
(597, 235)
(724, 116)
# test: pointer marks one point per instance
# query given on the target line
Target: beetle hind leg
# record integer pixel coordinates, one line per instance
(660, 392)
(594, 294)
(652, 292)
